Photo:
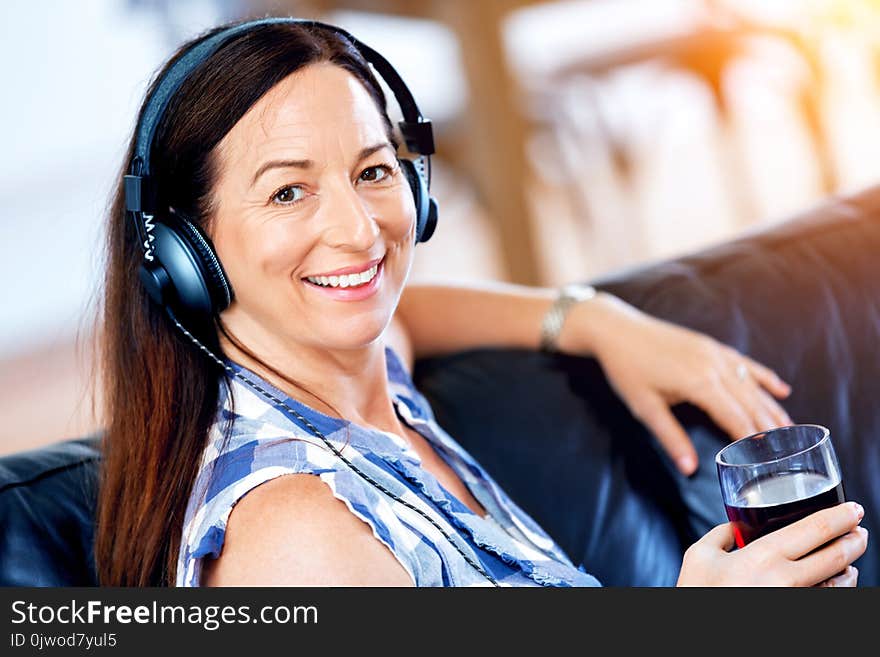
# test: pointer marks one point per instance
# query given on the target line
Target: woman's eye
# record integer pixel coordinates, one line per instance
(375, 174)
(288, 195)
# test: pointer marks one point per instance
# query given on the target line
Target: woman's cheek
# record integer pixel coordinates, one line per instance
(282, 253)
(395, 212)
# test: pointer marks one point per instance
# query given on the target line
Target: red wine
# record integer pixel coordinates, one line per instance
(771, 502)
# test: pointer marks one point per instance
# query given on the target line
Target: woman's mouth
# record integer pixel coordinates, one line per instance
(349, 287)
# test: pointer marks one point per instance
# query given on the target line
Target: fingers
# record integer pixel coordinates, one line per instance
(763, 410)
(766, 377)
(832, 560)
(848, 578)
(777, 414)
(726, 410)
(805, 535)
(655, 414)
(705, 563)
(721, 537)
(755, 401)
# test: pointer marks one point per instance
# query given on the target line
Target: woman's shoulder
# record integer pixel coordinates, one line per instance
(259, 461)
(257, 450)
(293, 531)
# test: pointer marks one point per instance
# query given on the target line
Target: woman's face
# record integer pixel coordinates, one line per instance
(308, 184)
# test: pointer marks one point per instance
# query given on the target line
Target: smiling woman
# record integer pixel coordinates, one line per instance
(266, 147)
(259, 248)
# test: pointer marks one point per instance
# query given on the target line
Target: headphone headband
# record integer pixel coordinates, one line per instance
(416, 130)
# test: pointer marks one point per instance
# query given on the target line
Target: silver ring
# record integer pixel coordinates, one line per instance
(742, 372)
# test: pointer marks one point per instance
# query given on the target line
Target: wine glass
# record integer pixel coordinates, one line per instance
(773, 478)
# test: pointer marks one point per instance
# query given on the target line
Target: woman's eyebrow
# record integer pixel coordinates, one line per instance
(369, 150)
(307, 164)
(281, 164)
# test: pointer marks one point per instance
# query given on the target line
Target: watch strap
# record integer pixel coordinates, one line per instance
(551, 326)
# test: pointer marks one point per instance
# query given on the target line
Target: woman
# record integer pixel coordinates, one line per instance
(277, 437)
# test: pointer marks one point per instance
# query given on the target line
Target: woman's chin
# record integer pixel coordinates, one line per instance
(358, 337)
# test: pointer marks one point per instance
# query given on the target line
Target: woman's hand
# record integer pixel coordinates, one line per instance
(653, 364)
(817, 550)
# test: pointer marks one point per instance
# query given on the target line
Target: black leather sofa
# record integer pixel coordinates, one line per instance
(802, 296)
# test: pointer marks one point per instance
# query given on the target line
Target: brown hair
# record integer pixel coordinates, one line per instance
(160, 393)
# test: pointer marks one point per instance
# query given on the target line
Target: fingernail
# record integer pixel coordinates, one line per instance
(862, 531)
(686, 464)
(860, 511)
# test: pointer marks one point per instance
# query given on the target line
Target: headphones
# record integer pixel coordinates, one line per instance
(181, 268)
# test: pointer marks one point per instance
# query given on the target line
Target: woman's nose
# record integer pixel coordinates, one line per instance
(348, 220)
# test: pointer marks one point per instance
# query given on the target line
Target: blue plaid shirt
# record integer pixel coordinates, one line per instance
(507, 543)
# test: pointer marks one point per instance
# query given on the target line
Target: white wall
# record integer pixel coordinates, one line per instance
(73, 76)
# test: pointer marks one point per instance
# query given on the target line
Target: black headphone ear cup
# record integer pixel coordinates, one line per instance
(426, 206)
(183, 273)
(156, 282)
(218, 284)
(430, 222)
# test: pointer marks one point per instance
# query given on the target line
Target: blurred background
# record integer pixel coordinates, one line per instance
(574, 138)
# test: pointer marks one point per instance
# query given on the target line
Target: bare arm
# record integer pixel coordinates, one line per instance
(292, 531)
(441, 319)
(651, 364)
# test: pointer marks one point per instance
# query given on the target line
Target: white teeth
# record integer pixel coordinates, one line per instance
(347, 280)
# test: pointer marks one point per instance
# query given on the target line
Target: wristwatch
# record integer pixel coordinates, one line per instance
(552, 324)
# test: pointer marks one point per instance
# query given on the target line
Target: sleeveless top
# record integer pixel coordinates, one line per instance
(507, 543)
